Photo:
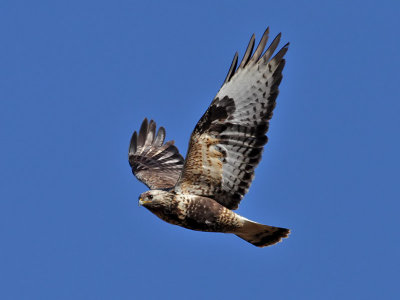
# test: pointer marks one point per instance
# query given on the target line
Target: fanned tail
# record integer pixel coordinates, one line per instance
(262, 235)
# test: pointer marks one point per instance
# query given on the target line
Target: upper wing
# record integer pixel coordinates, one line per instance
(226, 144)
(156, 164)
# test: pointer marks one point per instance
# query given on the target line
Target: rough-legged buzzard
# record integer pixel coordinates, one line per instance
(225, 147)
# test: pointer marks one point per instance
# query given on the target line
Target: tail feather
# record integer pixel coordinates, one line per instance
(262, 235)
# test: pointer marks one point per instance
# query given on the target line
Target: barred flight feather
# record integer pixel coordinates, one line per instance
(156, 164)
(227, 142)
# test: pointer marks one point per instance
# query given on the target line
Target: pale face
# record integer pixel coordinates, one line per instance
(154, 198)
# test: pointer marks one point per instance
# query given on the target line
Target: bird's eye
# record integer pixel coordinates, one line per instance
(151, 197)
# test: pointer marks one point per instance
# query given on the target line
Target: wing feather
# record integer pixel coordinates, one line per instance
(227, 142)
(271, 49)
(232, 68)
(247, 54)
(156, 164)
(160, 137)
(261, 46)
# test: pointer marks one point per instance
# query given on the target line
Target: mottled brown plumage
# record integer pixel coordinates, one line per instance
(224, 150)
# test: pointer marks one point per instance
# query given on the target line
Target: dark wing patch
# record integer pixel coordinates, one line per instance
(156, 164)
(227, 143)
(218, 110)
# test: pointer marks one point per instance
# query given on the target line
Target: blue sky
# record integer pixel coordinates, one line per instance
(78, 77)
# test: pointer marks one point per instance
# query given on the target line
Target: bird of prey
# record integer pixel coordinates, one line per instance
(201, 192)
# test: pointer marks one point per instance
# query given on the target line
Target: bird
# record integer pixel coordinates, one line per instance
(202, 191)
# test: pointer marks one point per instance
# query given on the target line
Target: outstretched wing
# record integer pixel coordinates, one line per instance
(226, 144)
(155, 164)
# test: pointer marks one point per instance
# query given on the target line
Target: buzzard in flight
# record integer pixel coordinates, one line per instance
(201, 192)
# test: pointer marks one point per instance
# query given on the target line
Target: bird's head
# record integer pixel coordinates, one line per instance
(155, 198)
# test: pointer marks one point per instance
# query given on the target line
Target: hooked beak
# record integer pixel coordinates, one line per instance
(141, 202)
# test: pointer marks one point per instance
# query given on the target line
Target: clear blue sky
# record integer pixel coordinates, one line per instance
(77, 77)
